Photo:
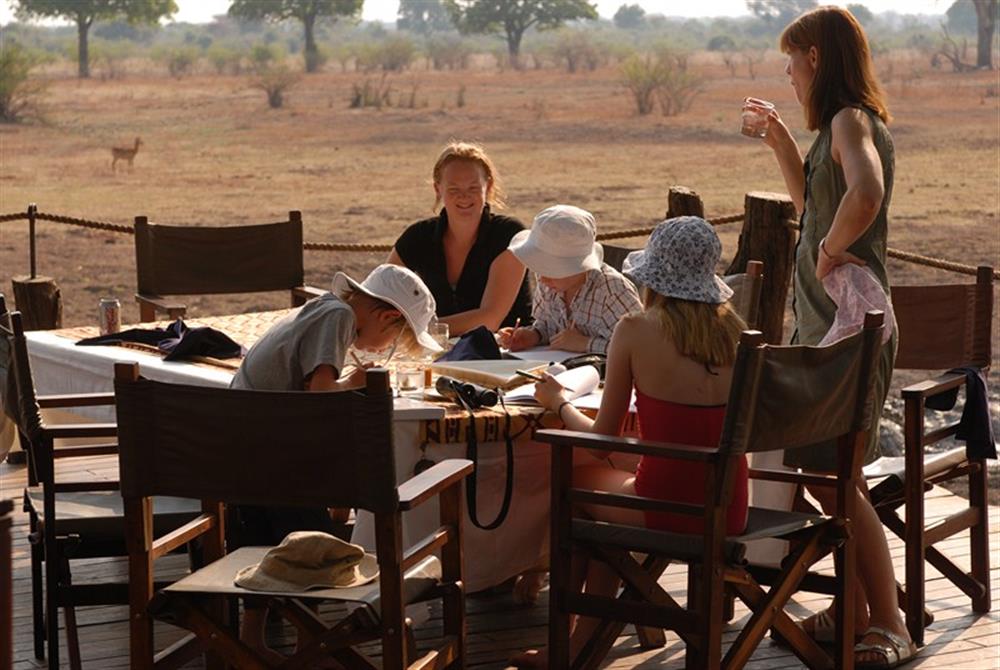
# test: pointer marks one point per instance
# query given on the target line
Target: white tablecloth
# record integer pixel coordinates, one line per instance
(491, 557)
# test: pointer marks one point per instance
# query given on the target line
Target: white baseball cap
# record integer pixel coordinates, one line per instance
(560, 243)
(403, 289)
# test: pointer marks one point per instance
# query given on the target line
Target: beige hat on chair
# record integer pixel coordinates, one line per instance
(310, 560)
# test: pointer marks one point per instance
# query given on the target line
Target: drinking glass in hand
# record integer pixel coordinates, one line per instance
(754, 117)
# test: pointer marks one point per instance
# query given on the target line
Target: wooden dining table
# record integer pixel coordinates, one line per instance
(424, 431)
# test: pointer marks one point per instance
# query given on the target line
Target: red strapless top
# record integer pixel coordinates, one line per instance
(683, 481)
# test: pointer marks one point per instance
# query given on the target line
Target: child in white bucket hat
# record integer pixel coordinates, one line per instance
(306, 351)
(676, 357)
(578, 298)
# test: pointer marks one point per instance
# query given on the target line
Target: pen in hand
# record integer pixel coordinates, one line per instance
(537, 378)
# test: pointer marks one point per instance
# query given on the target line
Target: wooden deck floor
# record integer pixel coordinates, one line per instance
(497, 627)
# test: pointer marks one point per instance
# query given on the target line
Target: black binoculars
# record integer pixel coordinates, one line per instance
(473, 395)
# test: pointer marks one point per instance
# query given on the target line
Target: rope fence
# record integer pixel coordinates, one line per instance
(906, 256)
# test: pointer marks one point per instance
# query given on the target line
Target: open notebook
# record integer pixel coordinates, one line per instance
(582, 380)
(491, 374)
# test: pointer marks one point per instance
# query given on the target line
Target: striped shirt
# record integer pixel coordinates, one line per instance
(605, 297)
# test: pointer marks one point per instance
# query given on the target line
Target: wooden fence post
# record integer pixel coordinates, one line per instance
(39, 301)
(768, 236)
(37, 298)
(682, 201)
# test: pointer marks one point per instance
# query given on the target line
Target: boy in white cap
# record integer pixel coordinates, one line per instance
(578, 298)
(306, 351)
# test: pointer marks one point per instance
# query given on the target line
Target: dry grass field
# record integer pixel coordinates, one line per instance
(213, 152)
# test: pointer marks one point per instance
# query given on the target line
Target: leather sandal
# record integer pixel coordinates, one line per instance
(897, 652)
(823, 632)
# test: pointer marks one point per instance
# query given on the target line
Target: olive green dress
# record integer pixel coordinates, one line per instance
(814, 311)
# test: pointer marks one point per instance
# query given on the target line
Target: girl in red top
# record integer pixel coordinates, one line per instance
(677, 355)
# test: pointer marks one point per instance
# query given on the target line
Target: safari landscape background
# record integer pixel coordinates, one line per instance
(352, 145)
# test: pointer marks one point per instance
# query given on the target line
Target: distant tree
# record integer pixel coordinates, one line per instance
(514, 17)
(780, 12)
(423, 17)
(630, 17)
(85, 12)
(306, 11)
(986, 13)
(961, 17)
(862, 14)
(721, 43)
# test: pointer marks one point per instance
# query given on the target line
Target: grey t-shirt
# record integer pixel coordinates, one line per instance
(318, 333)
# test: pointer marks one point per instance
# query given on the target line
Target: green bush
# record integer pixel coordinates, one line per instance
(448, 52)
(179, 60)
(225, 59)
(265, 56)
(109, 57)
(275, 81)
(642, 75)
(370, 93)
(19, 93)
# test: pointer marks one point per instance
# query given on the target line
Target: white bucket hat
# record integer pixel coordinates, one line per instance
(310, 560)
(560, 243)
(404, 290)
(679, 261)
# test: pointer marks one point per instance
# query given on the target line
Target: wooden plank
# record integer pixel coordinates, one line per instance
(498, 628)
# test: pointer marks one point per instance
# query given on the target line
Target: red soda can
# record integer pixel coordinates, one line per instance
(109, 318)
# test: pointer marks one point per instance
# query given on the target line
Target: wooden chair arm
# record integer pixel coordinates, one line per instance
(430, 482)
(628, 445)
(932, 387)
(149, 305)
(68, 430)
(76, 400)
(178, 537)
(304, 293)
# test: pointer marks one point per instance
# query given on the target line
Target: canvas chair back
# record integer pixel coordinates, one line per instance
(258, 447)
(804, 399)
(746, 292)
(191, 260)
(945, 326)
(19, 401)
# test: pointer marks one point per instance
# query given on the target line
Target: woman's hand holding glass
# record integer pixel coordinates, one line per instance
(777, 133)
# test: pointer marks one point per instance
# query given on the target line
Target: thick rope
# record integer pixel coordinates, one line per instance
(345, 246)
(939, 263)
(898, 254)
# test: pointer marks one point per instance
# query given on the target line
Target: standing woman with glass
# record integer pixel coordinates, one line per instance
(843, 191)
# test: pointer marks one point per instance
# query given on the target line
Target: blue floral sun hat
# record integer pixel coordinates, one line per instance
(679, 261)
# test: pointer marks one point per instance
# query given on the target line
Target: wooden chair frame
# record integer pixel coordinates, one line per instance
(921, 346)
(6, 587)
(716, 559)
(53, 547)
(185, 260)
(38, 439)
(358, 471)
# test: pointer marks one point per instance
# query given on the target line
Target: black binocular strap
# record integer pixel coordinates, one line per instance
(471, 453)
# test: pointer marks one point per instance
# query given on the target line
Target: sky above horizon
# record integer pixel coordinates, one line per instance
(202, 11)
